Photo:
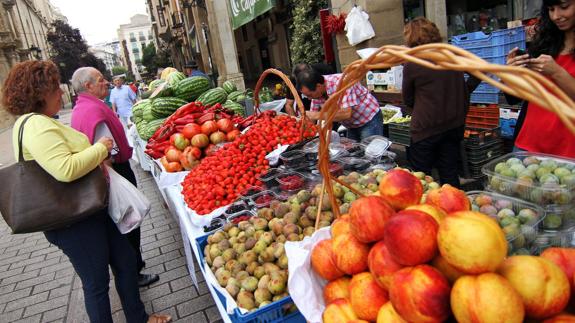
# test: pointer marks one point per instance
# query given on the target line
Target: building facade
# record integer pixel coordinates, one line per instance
(108, 53)
(132, 38)
(24, 25)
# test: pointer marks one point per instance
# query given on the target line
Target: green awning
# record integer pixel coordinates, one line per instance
(244, 11)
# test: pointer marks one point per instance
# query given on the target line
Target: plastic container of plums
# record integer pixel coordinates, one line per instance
(538, 178)
(521, 221)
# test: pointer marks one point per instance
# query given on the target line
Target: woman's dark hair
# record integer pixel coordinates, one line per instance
(27, 85)
(549, 39)
(309, 78)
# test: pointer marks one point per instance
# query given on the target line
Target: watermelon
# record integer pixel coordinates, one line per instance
(141, 127)
(166, 72)
(163, 107)
(213, 96)
(147, 113)
(155, 83)
(151, 127)
(229, 87)
(232, 96)
(235, 107)
(191, 88)
(175, 77)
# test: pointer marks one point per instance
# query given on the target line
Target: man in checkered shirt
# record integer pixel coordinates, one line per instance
(359, 110)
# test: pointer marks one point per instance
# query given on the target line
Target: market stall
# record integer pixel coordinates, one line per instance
(289, 226)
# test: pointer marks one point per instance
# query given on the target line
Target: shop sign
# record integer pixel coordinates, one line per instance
(244, 11)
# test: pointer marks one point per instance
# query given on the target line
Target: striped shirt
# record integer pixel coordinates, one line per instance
(364, 105)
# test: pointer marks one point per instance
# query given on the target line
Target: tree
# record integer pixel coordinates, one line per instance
(306, 42)
(152, 59)
(70, 51)
(117, 70)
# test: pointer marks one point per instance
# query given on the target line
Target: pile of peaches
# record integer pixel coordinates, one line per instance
(392, 259)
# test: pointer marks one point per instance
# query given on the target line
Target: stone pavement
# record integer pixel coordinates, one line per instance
(38, 283)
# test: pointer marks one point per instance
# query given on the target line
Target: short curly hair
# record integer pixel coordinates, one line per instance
(421, 31)
(27, 85)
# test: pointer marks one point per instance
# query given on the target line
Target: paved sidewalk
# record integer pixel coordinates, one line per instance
(38, 283)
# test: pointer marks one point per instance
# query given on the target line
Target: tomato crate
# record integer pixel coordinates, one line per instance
(276, 312)
(489, 111)
(476, 136)
(482, 121)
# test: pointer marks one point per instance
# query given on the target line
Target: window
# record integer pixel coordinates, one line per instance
(161, 17)
(135, 46)
(150, 37)
(141, 36)
(136, 55)
(132, 37)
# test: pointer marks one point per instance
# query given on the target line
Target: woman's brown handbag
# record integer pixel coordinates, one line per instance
(32, 200)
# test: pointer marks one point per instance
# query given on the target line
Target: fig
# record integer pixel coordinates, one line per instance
(267, 237)
(223, 275)
(224, 244)
(305, 222)
(308, 231)
(266, 213)
(259, 272)
(281, 210)
(270, 268)
(281, 238)
(217, 237)
(287, 230)
(252, 267)
(260, 246)
(338, 191)
(218, 262)
(250, 243)
(262, 304)
(290, 218)
(239, 248)
(240, 276)
(250, 284)
(323, 224)
(276, 226)
(215, 251)
(326, 216)
(266, 256)
(283, 262)
(296, 209)
(250, 231)
(234, 231)
(228, 254)
(311, 212)
(263, 282)
(303, 196)
(277, 283)
(262, 295)
(279, 249)
(293, 237)
(247, 257)
(233, 289)
(244, 225)
(245, 300)
(233, 266)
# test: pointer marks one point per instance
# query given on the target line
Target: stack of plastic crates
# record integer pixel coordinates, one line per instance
(493, 48)
(399, 133)
(483, 141)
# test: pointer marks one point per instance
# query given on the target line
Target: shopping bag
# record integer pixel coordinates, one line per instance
(357, 26)
(127, 205)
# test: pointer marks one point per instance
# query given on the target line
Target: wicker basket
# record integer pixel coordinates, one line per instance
(517, 81)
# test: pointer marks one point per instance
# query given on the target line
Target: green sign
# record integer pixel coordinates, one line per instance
(244, 11)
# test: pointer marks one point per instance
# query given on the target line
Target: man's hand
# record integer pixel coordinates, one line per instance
(312, 115)
(108, 142)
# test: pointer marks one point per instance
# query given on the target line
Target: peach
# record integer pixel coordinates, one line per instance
(420, 294)
(437, 213)
(338, 311)
(387, 314)
(561, 318)
(486, 298)
(341, 225)
(335, 289)
(366, 296)
(542, 285)
(411, 237)
(368, 218)
(565, 259)
(448, 198)
(471, 242)
(450, 272)
(350, 254)
(400, 189)
(381, 264)
(323, 260)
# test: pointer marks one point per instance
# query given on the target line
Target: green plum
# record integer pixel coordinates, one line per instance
(517, 168)
(500, 166)
(527, 216)
(549, 164)
(549, 178)
(533, 167)
(541, 171)
(552, 222)
(512, 161)
(568, 180)
(561, 171)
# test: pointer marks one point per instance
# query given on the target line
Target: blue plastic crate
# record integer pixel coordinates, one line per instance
(507, 127)
(275, 312)
(480, 97)
(498, 43)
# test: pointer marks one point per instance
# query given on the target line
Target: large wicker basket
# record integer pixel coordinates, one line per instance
(517, 81)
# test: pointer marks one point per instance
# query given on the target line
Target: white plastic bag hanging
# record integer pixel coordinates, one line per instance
(127, 206)
(358, 26)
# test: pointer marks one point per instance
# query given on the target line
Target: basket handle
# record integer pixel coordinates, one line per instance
(291, 87)
(517, 81)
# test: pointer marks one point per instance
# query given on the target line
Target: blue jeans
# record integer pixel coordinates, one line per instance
(92, 245)
(371, 128)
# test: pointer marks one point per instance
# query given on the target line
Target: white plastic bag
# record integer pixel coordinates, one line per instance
(358, 26)
(127, 206)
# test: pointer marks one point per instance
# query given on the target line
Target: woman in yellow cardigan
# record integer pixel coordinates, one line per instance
(66, 154)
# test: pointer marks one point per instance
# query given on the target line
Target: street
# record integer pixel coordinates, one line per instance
(38, 283)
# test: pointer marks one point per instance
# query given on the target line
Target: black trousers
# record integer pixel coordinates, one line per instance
(134, 236)
(440, 151)
(92, 245)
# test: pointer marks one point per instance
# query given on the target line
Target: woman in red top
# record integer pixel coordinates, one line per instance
(552, 53)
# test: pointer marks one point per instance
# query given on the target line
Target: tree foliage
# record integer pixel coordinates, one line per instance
(117, 70)
(306, 41)
(70, 51)
(152, 59)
